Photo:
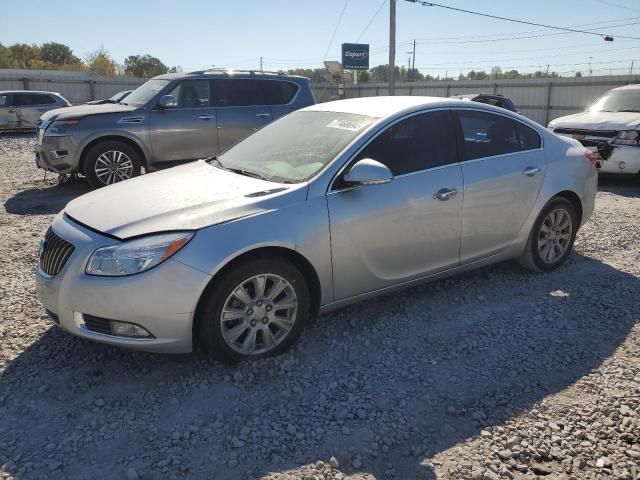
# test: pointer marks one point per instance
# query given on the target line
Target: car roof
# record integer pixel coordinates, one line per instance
(633, 86)
(229, 73)
(6, 92)
(382, 106)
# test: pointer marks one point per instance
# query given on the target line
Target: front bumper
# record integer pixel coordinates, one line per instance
(162, 300)
(624, 159)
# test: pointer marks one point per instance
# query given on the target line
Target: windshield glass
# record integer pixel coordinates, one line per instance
(141, 95)
(618, 101)
(296, 147)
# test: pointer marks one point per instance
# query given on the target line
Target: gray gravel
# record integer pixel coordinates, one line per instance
(499, 373)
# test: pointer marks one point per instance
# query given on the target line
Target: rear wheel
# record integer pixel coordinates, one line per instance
(257, 309)
(552, 236)
(110, 162)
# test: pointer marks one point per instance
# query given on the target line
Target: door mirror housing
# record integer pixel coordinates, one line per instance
(368, 172)
(167, 101)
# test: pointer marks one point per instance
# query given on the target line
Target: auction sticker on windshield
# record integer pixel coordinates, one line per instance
(346, 125)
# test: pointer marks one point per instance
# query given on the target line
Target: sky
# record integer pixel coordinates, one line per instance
(198, 34)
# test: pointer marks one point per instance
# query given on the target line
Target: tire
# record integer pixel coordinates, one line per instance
(534, 254)
(252, 314)
(125, 160)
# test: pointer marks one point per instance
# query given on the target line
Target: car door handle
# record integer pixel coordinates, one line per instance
(263, 115)
(12, 111)
(445, 194)
(206, 117)
(530, 171)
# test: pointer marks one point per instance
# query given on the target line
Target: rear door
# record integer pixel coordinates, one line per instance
(188, 130)
(241, 108)
(8, 116)
(384, 235)
(281, 96)
(503, 166)
(31, 106)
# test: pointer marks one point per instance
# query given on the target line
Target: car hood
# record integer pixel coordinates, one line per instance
(84, 110)
(188, 197)
(598, 121)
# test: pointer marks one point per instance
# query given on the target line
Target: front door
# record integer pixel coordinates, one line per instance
(503, 166)
(8, 117)
(241, 109)
(384, 235)
(187, 131)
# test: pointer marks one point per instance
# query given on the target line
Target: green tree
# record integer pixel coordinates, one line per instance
(100, 62)
(6, 58)
(24, 55)
(58, 54)
(144, 66)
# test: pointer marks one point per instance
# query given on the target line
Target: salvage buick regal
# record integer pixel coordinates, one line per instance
(329, 205)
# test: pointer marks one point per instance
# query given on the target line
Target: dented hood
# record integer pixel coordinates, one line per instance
(188, 197)
(598, 121)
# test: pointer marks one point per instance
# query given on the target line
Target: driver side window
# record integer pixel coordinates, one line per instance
(191, 94)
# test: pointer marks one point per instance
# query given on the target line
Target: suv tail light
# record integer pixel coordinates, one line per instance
(593, 157)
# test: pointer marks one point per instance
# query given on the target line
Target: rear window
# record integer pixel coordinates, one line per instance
(237, 92)
(277, 92)
(26, 99)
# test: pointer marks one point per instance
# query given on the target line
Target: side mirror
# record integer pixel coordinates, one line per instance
(167, 101)
(368, 172)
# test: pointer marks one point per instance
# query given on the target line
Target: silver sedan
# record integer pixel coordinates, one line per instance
(327, 206)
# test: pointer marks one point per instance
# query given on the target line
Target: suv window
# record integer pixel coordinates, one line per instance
(4, 100)
(417, 143)
(277, 92)
(191, 94)
(237, 92)
(27, 99)
(486, 134)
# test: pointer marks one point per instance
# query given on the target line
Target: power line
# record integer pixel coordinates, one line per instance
(372, 19)
(346, 2)
(618, 5)
(513, 20)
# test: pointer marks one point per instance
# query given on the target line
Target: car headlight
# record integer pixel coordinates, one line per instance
(60, 128)
(627, 137)
(135, 256)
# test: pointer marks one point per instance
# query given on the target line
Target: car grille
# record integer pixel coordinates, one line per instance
(97, 324)
(588, 138)
(54, 253)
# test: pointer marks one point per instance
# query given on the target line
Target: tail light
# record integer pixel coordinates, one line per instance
(593, 157)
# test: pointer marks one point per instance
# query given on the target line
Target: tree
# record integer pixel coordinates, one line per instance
(578, 74)
(6, 58)
(101, 63)
(496, 72)
(58, 54)
(24, 55)
(144, 66)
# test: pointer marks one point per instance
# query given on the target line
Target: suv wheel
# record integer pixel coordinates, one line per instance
(552, 236)
(110, 162)
(257, 309)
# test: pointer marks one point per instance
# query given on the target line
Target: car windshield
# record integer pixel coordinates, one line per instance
(145, 92)
(618, 101)
(296, 147)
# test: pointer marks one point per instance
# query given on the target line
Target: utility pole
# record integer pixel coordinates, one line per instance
(392, 47)
(547, 70)
(630, 72)
(590, 71)
(261, 64)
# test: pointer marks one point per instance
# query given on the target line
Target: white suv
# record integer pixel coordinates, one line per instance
(610, 126)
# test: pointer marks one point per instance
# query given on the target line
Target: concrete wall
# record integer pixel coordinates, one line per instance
(541, 99)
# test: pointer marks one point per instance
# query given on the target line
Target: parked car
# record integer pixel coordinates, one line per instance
(490, 99)
(329, 205)
(21, 109)
(115, 98)
(170, 119)
(611, 127)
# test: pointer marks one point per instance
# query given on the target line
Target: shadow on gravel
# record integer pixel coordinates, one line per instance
(45, 201)
(390, 382)
(624, 186)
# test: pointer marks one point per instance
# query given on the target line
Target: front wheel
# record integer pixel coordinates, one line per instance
(256, 309)
(110, 162)
(552, 236)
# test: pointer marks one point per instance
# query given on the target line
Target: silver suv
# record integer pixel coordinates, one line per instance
(21, 109)
(170, 119)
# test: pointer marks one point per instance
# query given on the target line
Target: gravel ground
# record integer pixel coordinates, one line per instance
(499, 373)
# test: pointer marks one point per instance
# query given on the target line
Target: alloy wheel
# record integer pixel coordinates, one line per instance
(259, 314)
(113, 166)
(554, 236)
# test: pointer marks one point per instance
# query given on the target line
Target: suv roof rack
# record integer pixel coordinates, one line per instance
(237, 70)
